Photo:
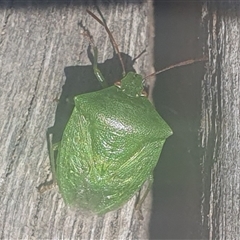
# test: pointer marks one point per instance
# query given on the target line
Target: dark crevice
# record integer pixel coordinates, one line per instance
(177, 188)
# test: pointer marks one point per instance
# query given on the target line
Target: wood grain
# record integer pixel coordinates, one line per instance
(220, 133)
(37, 44)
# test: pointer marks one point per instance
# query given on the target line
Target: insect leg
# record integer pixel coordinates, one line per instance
(52, 148)
(103, 23)
(96, 70)
(141, 200)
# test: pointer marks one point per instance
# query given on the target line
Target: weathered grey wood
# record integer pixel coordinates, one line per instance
(220, 120)
(36, 44)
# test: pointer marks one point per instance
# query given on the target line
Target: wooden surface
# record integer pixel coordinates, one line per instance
(38, 42)
(220, 133)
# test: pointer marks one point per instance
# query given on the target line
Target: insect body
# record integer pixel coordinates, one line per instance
(110, 146)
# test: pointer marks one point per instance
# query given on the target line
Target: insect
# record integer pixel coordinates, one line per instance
(110, 145)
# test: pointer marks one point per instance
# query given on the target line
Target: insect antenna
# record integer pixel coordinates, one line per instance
(139, 55)
(111, 38)
(188, 62)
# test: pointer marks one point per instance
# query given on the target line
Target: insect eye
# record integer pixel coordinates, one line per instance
(144, 93)
(117, 84)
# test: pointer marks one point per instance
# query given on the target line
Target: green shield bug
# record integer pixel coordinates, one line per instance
(110, 145)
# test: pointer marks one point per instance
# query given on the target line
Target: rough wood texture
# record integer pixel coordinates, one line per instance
(37, 42)
(220, 120)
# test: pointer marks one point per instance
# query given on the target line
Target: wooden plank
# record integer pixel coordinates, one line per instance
(220, 120)
(37, 43)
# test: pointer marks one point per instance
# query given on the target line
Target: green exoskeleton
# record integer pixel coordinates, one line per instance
(110, 146)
